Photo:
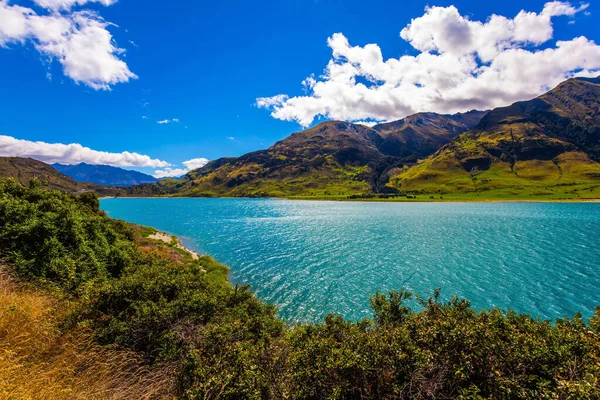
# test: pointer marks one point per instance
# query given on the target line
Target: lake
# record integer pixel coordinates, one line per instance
(311, 258)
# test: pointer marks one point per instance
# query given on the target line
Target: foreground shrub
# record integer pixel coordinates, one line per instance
(40, 361)
(225, 343)
(445, 350)
(60, 237)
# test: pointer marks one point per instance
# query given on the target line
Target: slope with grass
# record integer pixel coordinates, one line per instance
(41, 360)
(548, 147)
(109, 312)
(333, 158)
(25, 169)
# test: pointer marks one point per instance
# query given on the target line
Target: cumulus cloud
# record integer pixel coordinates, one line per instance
(78, 40)
(167, 121)
(195, 163)
(460, 65)
(189, 165)
(169, 172)
(73, 153)
(68, 4)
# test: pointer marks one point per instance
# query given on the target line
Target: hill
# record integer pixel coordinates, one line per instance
(545, 147)
(25, 169)
(333, 158)
(104, 174)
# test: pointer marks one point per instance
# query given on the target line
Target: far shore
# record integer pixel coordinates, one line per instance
(372, 200)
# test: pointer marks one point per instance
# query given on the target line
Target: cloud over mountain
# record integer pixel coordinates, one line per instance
(190, 165)
(73, 153)
(461, 64)
(79, 40)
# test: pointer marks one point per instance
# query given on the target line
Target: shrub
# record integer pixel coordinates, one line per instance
(60, 237)
(228, 344)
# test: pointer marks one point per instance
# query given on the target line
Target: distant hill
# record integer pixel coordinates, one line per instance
(548, 146)
(24, 169)
(330, 159)
(104, 174)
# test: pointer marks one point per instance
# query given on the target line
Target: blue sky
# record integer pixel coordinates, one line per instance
(205, 64)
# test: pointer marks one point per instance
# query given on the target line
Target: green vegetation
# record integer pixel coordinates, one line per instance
(42, 359)
(566, 178)
(181, 318)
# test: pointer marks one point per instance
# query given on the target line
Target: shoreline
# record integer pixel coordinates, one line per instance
(373, 200)
(168, 239)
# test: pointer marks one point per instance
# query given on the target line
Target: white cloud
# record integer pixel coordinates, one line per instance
(144, 117)
(169, 172)
(73, 153)
(79, 41)
(461, 64)
(190, 165)
(230, 138)
(195, 163)
(167, 121)
(56, 5)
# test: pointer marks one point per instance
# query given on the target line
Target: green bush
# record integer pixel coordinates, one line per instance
(59, 237)
(226, 343)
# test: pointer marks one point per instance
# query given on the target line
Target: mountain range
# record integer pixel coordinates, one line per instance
(547, 147)
(104, 174)
(332, 158)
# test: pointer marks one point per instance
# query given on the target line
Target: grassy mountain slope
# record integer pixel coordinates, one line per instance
(546, 147)
(330, 159)
(24, 169)
(104, 174)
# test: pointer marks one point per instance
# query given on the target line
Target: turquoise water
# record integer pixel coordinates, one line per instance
(315, 257)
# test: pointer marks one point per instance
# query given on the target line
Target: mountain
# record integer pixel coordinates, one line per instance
(333, 158)
(25, 169)
(104, 174)
(548, 146)
(421, 134)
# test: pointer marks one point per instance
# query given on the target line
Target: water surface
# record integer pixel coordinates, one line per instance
(316, 257)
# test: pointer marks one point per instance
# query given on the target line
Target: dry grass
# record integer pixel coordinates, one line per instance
(38, 361)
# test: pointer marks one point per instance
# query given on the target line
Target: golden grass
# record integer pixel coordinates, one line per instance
(39, 361)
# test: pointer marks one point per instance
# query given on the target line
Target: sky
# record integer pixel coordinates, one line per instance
(164, 87)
